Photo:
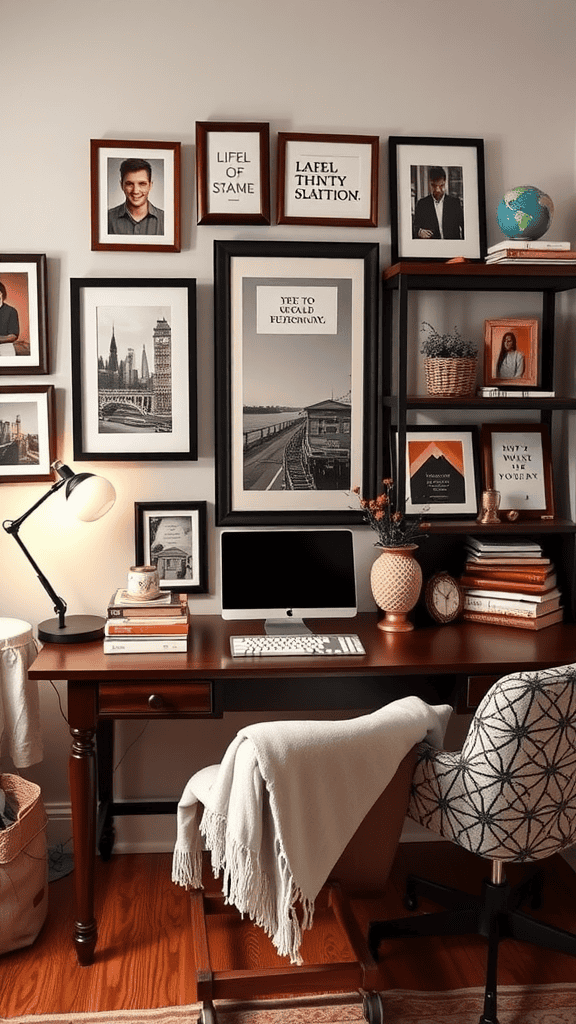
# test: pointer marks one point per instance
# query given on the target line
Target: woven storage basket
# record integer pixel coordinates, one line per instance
(451, 376)
(23, 866)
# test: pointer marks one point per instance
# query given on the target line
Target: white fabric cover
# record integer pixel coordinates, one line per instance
(286, 800)
(510, 792)
(20, 734)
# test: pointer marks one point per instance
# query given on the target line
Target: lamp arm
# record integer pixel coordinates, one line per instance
(13, 526)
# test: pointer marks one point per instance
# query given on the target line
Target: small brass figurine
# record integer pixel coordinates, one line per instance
(490, 506)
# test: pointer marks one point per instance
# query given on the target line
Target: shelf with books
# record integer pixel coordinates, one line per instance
(444, 547)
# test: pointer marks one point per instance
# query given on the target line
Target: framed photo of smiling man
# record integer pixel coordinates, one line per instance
(135, 195)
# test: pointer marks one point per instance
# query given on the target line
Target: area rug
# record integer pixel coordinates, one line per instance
(541, 1004)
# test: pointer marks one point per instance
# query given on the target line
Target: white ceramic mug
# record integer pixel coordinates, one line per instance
(143, 582)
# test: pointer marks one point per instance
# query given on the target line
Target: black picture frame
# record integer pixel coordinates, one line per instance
(106, 194)
(24, 276)
(323, 379)
(233, 172)
(183, 567)
(410, 161)
(114, 417)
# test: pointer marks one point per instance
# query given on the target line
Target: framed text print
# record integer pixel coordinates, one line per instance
(233, 172)
(296, 336)
(518, 464)
(328, 179)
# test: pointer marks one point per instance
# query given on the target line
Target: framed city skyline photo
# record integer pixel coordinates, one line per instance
(134, 368)
(233, 172)
(135, 195)
(27, 433)
(517, 460)
(442, 471)
(296, 354)
(511, 353)
(328, 179)
(172, 537)
(23, 314)
(437, 198)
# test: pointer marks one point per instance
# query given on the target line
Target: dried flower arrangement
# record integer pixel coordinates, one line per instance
(393, 528)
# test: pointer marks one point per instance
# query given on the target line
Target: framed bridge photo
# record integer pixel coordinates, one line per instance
(296, 356)
(134, 368)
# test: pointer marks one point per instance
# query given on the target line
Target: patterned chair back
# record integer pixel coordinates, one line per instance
(510, 792)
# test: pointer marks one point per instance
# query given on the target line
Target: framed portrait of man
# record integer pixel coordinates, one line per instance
(135, 195)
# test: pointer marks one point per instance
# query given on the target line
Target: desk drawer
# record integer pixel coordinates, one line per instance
(152, 699)
(476, 688)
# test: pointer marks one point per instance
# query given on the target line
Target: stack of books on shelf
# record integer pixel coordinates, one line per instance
(510, 583)
(490, 391)
(140, 627)
(514, 251)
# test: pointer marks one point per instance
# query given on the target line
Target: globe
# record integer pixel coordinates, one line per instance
(525, 212)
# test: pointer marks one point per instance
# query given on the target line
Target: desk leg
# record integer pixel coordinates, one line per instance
(82, 774)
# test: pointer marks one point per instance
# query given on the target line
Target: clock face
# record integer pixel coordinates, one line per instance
(443, 597)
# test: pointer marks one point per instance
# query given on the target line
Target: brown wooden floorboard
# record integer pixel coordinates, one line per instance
(144, 948)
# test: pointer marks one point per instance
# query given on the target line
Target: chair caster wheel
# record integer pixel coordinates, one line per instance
(372, 1008)
(207, 1014)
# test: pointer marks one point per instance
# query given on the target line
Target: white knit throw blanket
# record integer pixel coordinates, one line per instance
(284, 803)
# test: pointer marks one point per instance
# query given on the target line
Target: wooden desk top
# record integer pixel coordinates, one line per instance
(461, 648)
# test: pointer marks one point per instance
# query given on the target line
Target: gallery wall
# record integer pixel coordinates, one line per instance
(73, 71)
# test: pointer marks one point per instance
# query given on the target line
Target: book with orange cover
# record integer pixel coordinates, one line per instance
(144, 626)
(528, 575)
(498, 583)
(516, 621)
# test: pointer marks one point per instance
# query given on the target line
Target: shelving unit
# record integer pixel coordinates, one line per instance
(443, 549)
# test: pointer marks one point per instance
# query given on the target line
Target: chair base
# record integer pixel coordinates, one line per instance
(494, 914)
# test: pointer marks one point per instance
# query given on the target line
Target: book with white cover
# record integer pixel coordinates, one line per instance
(498, 547)
(489, 392)
(521, 243)
(519, 597)
(532, 609)
(145, 645)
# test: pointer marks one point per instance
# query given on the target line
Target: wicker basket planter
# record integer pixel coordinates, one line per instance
(451, 376)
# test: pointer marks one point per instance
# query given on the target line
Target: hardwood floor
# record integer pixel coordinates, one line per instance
(144, 947)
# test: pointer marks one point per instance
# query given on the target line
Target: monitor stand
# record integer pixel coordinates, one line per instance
(285, 627)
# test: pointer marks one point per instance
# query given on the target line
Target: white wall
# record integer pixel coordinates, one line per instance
(71, 70)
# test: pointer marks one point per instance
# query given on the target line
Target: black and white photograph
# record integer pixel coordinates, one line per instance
(135, 190)
(23, 314)
(27, 439)
(295, 353)
(437, 198)
(134, 368)
(171, 536)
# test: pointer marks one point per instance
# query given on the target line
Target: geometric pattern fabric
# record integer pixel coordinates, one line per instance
(510, 792)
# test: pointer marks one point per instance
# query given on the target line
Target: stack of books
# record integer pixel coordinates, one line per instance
(490, 391)
(514, 251)
(140, 627)
(510, 583)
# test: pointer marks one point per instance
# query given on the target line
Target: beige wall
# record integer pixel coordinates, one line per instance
(501, 70)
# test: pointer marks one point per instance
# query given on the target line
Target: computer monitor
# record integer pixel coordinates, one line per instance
(286, 575)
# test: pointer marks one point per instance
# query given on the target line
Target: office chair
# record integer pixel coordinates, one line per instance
(508, 795)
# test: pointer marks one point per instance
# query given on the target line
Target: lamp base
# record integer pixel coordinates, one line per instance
(77, 630)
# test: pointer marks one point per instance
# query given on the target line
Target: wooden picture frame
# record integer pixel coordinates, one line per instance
(442, 471)
(517, 462)
(415, 230)
(172, 536)
(129, 401)
(23, 313)
(151, 181)
(27, 433)
(511, 353)
(328, 179)
(296, 355)
(233, 172)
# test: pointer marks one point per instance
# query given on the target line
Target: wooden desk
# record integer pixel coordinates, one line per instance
(449, 663)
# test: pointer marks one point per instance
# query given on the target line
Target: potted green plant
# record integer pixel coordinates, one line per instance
(450, 362)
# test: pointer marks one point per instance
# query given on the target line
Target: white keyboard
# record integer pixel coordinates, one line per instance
(315, 645)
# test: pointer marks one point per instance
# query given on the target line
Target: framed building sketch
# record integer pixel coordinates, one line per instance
(27, 433)
(296, 352)
(437, 198)
(233, 172)
(171, 535)
(134, 368)
(328, 179)
(135, 195)
(23, 314)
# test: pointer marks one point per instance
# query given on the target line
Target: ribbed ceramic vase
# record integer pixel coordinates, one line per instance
(396, 581)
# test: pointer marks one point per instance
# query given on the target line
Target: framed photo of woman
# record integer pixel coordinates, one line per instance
(511, 356)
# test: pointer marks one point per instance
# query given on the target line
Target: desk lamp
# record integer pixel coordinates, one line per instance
(90, 497)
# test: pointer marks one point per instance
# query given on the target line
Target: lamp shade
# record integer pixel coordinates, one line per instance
(89, 497)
